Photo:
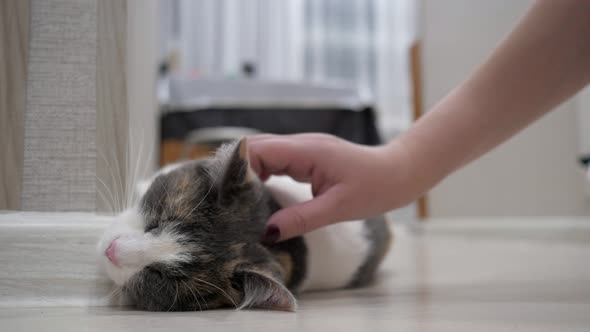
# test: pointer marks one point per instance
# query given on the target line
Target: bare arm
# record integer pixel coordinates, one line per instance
(545, 60)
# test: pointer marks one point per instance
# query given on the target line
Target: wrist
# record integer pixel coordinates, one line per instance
(400, 174)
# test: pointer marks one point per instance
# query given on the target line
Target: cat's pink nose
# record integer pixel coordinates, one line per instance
(110, 253)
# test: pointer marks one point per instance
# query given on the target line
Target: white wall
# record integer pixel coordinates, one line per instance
(535, 173)
(583, 117)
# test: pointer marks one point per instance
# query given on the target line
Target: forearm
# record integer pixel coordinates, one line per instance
(545, 60)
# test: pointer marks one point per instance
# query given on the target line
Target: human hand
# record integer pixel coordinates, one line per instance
(349, 181)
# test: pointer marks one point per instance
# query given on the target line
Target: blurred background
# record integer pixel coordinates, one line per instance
(229, 68)
(173, 79)
(361, 69)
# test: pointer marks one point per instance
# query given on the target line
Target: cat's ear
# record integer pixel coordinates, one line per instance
(237, 171)
(262, 291)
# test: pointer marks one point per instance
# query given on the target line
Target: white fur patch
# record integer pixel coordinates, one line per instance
(136, 249)
(335, 252)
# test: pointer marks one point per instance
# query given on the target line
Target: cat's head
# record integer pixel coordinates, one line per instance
(192, 243)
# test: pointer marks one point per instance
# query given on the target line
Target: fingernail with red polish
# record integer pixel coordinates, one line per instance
(271, 235)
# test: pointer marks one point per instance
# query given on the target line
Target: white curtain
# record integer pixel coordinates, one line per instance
(396, 30)
(364, 43)
(217, 37)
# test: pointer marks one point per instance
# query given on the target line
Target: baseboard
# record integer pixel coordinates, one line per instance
(49, 260)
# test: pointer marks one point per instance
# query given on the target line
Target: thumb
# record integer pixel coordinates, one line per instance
(301, 218)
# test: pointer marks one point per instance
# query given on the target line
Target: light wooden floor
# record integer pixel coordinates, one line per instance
(476, 275)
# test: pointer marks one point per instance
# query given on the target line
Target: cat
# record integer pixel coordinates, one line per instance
(192, 242)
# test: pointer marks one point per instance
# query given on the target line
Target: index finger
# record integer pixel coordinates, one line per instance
(281, 155)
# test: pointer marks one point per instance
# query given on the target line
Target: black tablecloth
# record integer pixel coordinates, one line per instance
(356, 126)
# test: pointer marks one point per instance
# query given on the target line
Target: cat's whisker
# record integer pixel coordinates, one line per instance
(202, 200)
(175, 296)
(160, 198)
(117, 202)
(166, 190)
(114, 294)
(111, 198)
(206, 305)
(194, 295)
(161, 286)
(129, 174)
(135, 175)
(139, 176)
(117, 177)
(221, 290)
(111, 203)
(103, 195)
(178, 270)
(184, 213)
(147, 163)
(205, 282)
(104, 198)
